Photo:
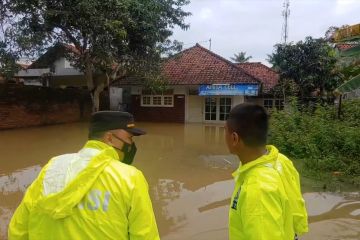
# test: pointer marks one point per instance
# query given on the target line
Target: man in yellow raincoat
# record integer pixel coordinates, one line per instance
(91, 194)
(267, 203)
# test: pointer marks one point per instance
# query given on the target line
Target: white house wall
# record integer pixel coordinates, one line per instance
(238, 100)
(179, 90)
(62, 69)
(33, 72)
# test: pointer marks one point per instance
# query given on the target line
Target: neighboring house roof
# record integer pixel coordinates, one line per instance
(24, 66)
(267, 76)
(345, 46)
(54, 53)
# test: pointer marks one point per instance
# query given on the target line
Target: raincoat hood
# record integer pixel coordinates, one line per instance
(60, 204)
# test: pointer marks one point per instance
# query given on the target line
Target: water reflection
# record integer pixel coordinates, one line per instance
(333, 215)
(18, 181)
(220, 161)
(194, 214)
(189, 173)
(5, 216)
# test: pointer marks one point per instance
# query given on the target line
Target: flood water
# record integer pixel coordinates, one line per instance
(188, 170)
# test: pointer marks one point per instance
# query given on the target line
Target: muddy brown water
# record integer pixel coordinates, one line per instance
(189, 173)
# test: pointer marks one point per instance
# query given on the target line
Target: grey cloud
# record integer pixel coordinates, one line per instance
(255, 26)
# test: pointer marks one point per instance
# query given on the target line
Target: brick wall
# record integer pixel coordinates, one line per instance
(18, 115)
(28, 106)
(174, 114)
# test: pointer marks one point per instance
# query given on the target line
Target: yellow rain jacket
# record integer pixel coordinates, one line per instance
(267, 203)
(86, 195)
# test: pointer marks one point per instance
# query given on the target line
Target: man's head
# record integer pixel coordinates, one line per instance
(246, 128)
(115, 129)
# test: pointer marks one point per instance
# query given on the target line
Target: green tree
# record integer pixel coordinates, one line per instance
(8, 65)
(115, 37)
(309, 63)
(241, 57)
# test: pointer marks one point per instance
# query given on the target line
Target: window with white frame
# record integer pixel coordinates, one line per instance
(145, 100)
(168, 100)
(157, 100)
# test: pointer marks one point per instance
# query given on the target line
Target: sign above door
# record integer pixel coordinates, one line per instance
(228, 90)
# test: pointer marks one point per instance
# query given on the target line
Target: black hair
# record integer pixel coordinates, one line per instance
(250, 122)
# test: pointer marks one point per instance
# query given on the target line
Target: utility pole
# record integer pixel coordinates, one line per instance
(210, 44)
(286, 15)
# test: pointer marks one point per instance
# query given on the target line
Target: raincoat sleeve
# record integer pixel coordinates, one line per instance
(142, 223)
(18, 229)
(261, 214)
(18, 226)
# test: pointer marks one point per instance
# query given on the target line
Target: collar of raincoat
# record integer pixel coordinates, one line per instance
(271, 156)
(117, 155)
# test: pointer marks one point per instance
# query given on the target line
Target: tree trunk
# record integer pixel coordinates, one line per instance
(96, 96)
(89, 73)
(108, 86)
(89, 77)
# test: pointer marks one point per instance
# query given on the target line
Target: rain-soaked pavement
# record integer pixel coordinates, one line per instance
(189, 173)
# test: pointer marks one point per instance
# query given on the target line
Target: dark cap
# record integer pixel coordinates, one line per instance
(109, 120)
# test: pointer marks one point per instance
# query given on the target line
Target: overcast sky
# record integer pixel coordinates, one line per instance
(254, 26)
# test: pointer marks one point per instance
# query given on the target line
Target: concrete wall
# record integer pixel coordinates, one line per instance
(195, 109)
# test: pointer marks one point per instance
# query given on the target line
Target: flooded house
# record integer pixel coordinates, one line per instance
(202, 86)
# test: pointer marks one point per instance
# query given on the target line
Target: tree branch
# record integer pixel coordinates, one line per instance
(71, 37)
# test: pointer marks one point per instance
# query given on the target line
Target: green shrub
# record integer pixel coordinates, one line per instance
(324, 142)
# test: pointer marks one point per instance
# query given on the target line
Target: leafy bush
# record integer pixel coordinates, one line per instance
(317, 137)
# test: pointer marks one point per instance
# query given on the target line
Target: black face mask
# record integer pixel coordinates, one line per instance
(129, 151)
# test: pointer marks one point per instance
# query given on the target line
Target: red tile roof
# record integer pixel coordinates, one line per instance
(23, 65)
(197, 65)
(267, 76)
(345, 46)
